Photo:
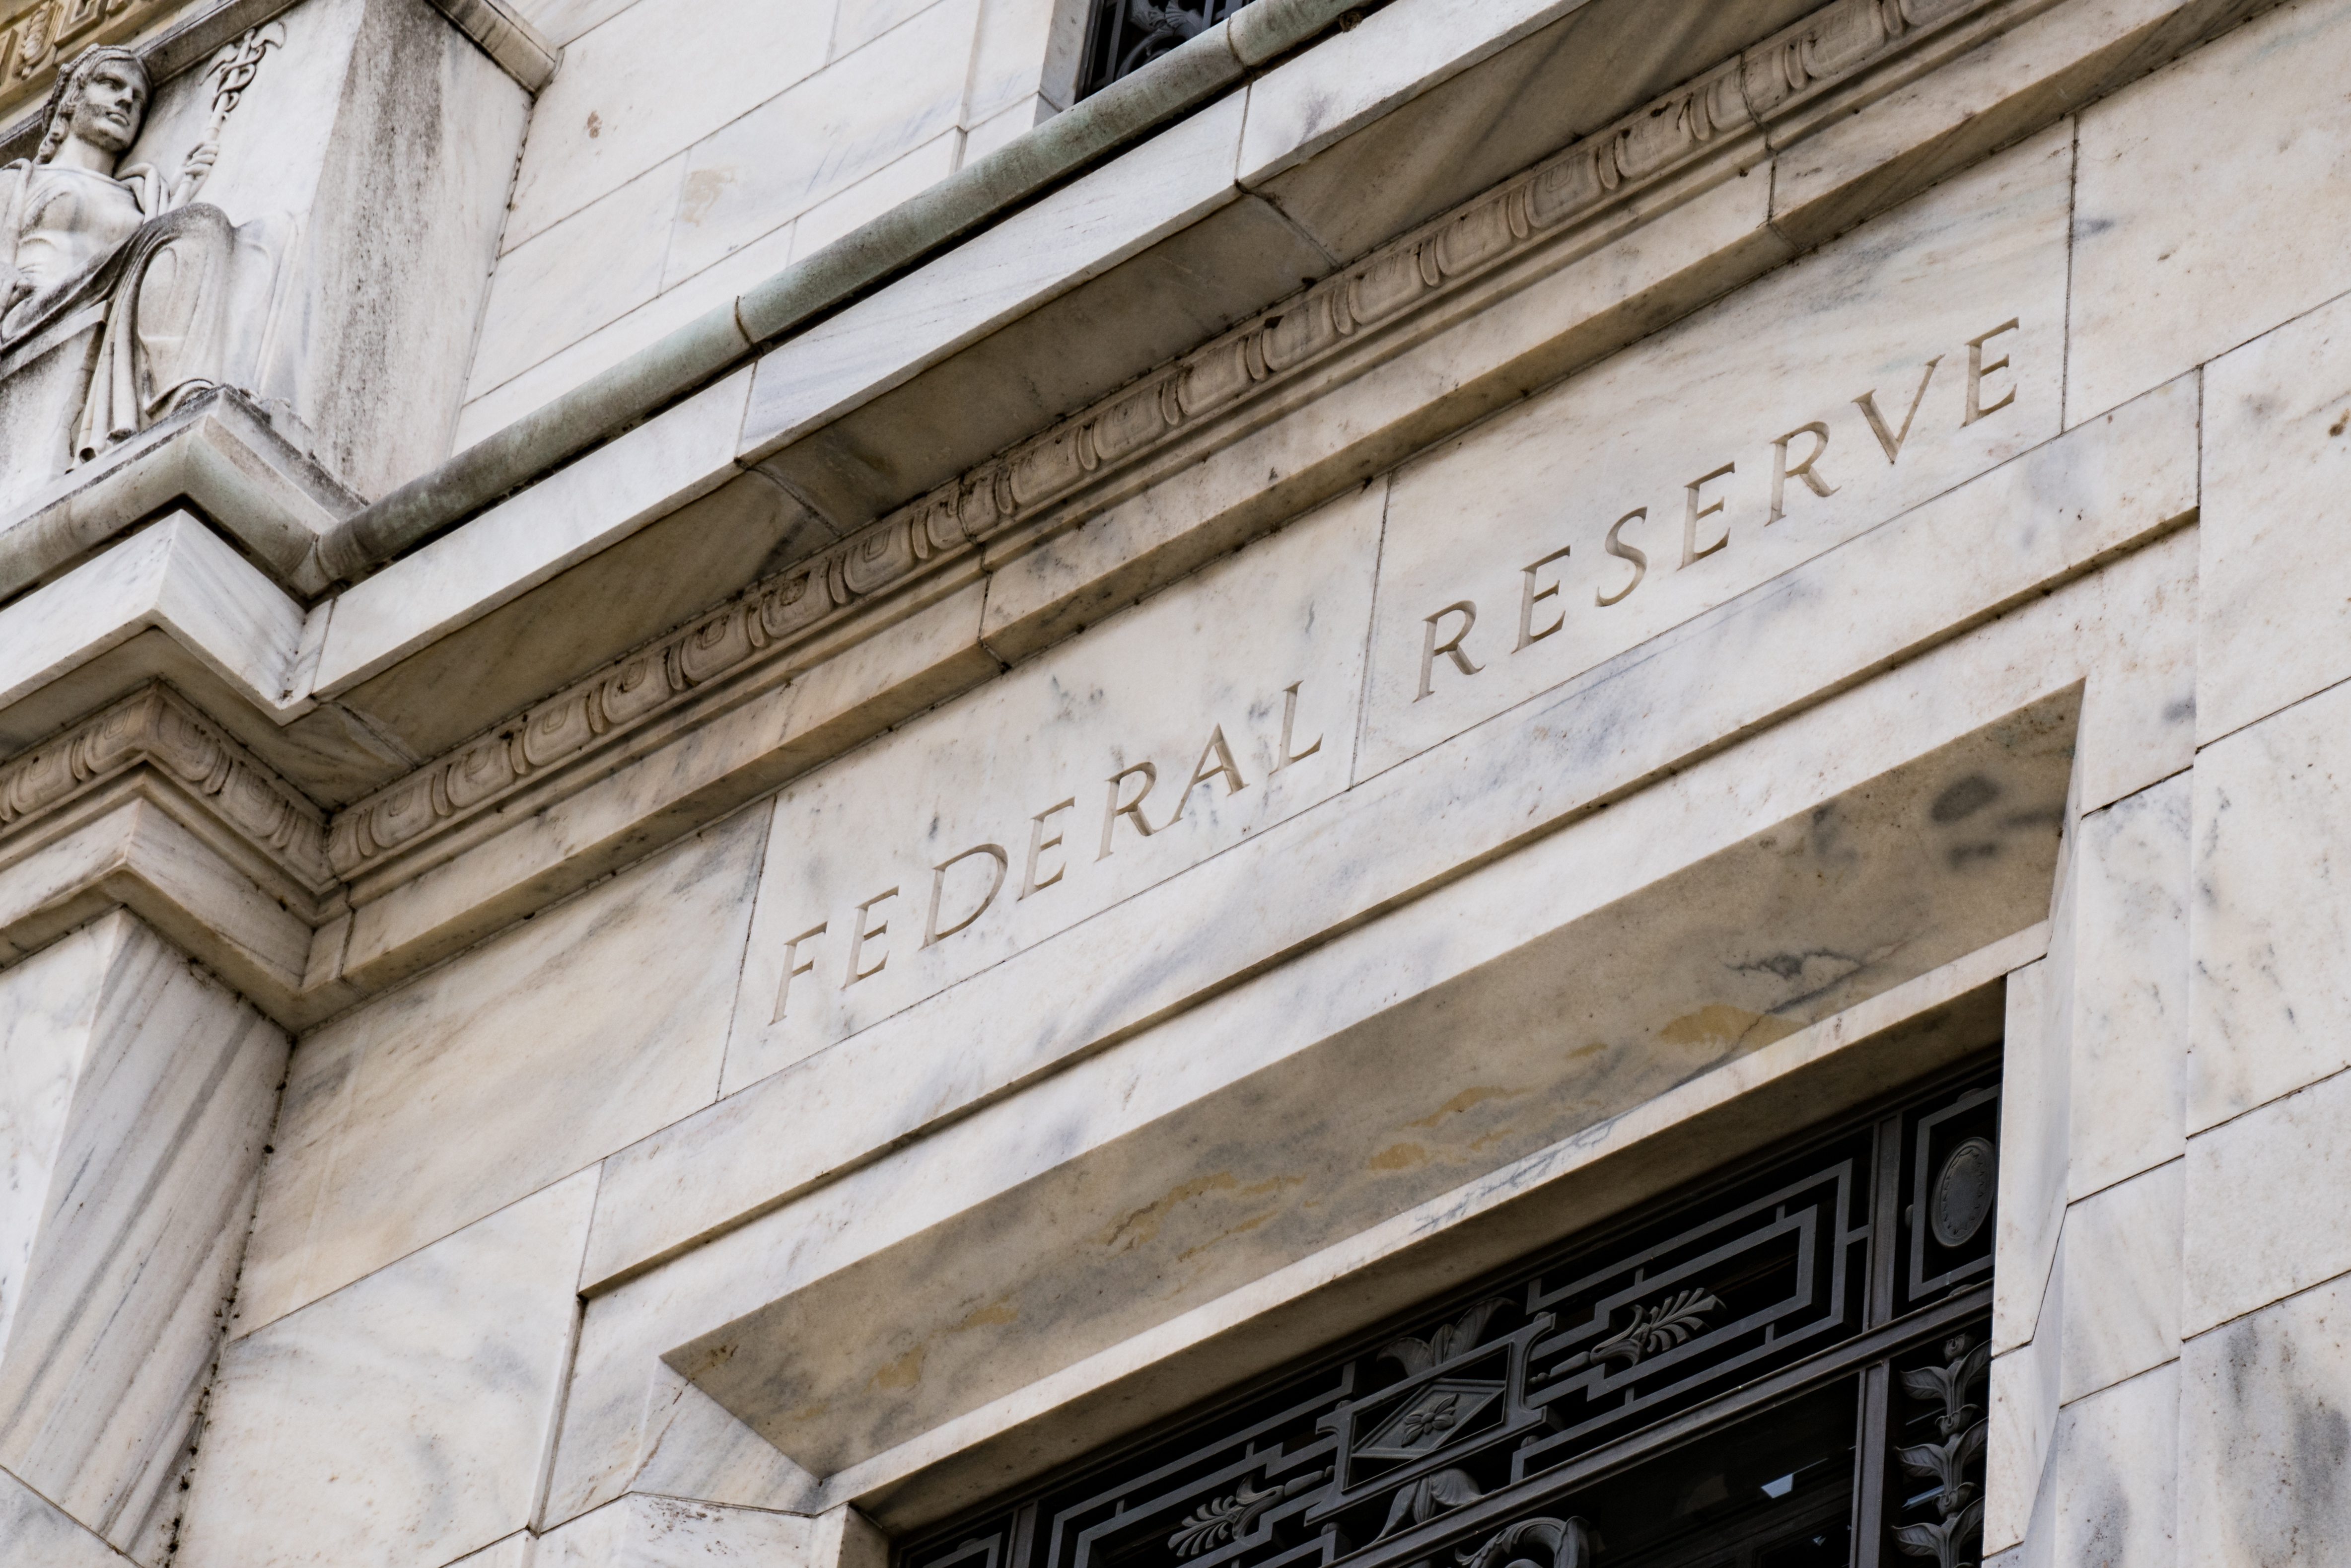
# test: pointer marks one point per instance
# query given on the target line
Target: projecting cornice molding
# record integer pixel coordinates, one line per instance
(156, 727)
(1362, 313)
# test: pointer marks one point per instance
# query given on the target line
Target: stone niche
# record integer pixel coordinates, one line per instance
(360, 154)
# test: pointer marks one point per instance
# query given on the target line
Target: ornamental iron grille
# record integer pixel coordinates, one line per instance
(1785, 1368)
(1125, 35)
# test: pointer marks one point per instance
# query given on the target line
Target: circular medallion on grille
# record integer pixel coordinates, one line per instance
(1963, 1192)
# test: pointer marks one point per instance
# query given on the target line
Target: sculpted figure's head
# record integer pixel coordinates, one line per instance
(100, 100)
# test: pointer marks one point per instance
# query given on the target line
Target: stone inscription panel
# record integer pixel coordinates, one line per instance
(1138, 750)
(1832, 395)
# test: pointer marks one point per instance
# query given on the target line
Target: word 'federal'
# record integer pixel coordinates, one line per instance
(1127, 805)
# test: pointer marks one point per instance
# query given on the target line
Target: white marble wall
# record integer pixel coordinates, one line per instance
(557, 1111)
(688, 148)
(2171, 1379)
(135, 1096)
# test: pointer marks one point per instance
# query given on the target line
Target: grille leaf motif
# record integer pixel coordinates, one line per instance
(1446, 1342)
(1228, 1517)
(1963, 1426)
(1653, 1329)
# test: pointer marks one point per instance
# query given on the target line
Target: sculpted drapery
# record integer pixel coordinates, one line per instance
(78, 234)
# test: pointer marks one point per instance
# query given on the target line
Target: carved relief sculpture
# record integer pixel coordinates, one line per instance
(85, 240)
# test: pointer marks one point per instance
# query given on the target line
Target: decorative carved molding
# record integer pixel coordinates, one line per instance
(1129, 428)
(159, 728)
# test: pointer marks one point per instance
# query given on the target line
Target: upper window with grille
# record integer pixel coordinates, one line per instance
(1782, 1366)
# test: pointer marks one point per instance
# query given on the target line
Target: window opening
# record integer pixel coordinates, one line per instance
(1782, 1366)
(1125, 35)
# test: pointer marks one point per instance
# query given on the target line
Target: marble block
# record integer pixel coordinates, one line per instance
(1144, 747)
(2129, 1057)
(645, 83)
(2113, 1473)
(870, 105)
(579, 274)
(2036, 1107)
(1037, 255)
(2122, 1287)
(2273, 595)
(2207, 198)
(1804, 410)
(2024, 1413)
(672, 459)
(402, 1421)
(176, 576)
(2269, 998)
(531, 1057)
(2265, 1435)
(135, 1094)
(2264, 1217)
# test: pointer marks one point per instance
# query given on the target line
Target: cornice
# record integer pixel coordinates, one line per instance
(1360, 313)
(156, 728)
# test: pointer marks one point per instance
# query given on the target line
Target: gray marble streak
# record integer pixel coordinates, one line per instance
(2269, 996)
(162, 1088)
(2122, 1282)
(536, 1054)
(2265, 1437)
(403, 1420)
(2265, 1212)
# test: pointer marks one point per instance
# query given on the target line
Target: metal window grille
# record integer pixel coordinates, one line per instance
(1125, 35)
(1785, 1368)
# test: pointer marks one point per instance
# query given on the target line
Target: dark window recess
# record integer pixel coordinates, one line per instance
(1125, 35)
(1784, 1367)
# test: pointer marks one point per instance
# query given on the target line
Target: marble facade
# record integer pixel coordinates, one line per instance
(1378, 660)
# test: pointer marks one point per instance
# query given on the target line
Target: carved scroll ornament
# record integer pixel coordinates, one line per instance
(157, 727)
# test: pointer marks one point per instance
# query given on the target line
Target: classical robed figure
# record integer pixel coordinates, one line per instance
(78, 234)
